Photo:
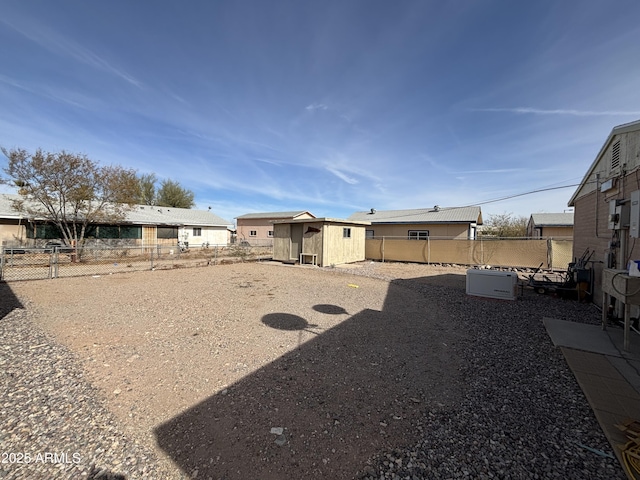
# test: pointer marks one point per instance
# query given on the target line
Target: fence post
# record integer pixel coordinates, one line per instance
(151, 257)
(549, 254)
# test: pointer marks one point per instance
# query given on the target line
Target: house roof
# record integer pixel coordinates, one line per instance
(275, 215)
(141, 214)
(422, 215)
(324, 220)
(618, 130)
(552, 219)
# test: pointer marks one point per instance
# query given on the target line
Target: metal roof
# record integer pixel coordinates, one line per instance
(422, 215)
(323, 220)
(275, 214)
(564, 219)
(141, 214)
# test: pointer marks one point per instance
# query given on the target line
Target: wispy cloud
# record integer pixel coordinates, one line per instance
(64, 46)
(575, 113)
(342, 176)
(316, 106)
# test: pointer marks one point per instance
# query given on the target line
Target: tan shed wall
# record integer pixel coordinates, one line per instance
(312, 241)
(339, 250)
(281, 242)
(329, 245)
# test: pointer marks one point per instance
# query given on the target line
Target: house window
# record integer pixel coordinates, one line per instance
(346, 233)
(197, 232)
(418, 234)
(253, 233)
(270, 233)
(168, 232)
(368, 233)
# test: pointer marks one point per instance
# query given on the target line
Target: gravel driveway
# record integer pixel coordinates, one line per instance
(261, 370)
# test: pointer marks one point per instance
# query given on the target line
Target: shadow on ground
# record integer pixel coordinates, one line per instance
(8, 300)
(349, 393)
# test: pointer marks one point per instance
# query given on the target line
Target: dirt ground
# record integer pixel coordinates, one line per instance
(261, 370)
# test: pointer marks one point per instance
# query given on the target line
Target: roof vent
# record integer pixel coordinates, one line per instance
(436, 208)
(373, 210)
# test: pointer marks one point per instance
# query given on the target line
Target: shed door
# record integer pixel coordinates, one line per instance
(296, 241)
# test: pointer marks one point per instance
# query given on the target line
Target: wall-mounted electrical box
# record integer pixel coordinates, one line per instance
(634, 215)
(619, 214)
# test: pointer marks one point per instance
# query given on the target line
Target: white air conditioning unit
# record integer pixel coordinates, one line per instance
(492, 284)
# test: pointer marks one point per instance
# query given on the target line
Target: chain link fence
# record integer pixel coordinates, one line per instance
(17, 263)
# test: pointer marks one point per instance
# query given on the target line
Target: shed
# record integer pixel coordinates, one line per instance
(319, 241)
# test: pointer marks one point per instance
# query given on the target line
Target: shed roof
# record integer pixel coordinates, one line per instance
(140, 214)
(278, 215)
(471, 214)
(324, 220)
(618, 130)
(564, 219)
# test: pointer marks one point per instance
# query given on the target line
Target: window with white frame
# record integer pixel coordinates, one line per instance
(253, 233)
(418, 234)
(270, 233)
(346, 232)
(197, 231)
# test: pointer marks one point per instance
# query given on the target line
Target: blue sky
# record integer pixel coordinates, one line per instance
(332, 106)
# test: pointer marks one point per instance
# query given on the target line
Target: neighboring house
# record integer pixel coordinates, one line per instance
(143, 225)
(602, 205)
(550, 225)
(319, 241)
(257, 228)
(420, 223)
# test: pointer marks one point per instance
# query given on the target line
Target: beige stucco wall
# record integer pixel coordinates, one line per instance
(11, 233)
(211, 235)
(450, 230)
(262, 226)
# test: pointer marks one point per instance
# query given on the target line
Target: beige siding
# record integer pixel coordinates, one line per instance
(338, 249)
(453, 230)
(281, 242)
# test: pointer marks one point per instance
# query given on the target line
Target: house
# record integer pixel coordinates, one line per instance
(420, 223)
(603, 202)
(319, 241)
(143, 225)
(550, 225)
(257, 228)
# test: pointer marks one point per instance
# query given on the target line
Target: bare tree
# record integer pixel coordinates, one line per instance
(69, 190)
(506, 225)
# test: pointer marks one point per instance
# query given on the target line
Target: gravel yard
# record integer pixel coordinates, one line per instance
(260, 370)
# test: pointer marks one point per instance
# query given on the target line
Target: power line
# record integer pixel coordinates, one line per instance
(508, 197)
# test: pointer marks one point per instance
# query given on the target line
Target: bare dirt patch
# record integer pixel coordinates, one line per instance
(204, 363)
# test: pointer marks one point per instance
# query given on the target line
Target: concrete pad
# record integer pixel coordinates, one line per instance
(580, 336)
